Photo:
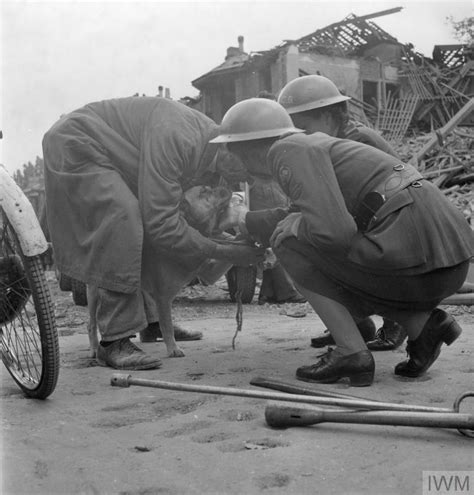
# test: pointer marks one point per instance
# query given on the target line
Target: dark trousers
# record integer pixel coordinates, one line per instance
(277, 285)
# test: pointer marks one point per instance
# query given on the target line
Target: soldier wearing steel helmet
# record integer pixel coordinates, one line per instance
(315, 104)
(367, 236)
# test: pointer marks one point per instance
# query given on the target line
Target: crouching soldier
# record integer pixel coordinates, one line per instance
(369, 236)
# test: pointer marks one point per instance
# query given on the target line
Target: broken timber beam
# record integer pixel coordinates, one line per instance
(441, 133)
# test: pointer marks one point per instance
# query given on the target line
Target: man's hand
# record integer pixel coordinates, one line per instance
(288, 227)
(240, 254)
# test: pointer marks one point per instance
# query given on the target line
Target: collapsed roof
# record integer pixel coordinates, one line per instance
(348, 38)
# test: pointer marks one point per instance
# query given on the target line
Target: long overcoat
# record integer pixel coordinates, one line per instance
(115, 171)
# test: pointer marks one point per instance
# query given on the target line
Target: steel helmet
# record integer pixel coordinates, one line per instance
(255, 118)
(309, 92)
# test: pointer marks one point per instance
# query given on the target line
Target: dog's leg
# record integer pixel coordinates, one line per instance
(166, 327)
(92, 326)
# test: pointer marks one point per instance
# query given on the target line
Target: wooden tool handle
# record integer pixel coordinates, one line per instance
(282, 415)
(294, 388)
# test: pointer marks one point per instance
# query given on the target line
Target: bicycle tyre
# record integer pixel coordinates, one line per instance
(243, 278)
(29, 342)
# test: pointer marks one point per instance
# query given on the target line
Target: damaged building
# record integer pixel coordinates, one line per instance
(392, 87)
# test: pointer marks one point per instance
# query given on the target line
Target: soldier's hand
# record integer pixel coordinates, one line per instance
(288, 227)
(240, 254)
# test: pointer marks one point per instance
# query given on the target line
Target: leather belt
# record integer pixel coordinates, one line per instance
(404, 175)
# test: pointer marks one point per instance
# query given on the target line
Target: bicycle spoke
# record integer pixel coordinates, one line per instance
(24, 348)
(21, 340)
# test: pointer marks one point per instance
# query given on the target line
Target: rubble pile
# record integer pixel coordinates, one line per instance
(449, 165)
(437, 91)
(429, 119)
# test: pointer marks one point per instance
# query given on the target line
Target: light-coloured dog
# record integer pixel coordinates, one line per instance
(201, 206)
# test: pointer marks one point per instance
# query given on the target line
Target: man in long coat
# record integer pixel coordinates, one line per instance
(115, 172)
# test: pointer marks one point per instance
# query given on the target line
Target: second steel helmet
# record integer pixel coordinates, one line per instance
(255, 118)
(309, 92)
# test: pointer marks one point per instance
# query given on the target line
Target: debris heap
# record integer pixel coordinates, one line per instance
(449, 165)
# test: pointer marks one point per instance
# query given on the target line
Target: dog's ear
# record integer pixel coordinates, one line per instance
(185, 208)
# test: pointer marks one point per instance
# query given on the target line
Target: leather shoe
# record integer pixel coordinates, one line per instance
(124, 355)
(153, 332)
(366, 328)
(388, 337)
(358, 367)
(423, 352)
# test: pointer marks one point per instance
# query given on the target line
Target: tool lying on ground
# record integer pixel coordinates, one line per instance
(296, 388)
(282, 415)
(465, 424)
(277, 415)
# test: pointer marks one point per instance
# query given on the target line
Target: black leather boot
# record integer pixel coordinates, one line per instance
(358, 367)
(388, 337)
(423, 352)
(366, 328)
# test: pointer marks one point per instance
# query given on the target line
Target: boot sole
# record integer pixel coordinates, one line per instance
(150, 366)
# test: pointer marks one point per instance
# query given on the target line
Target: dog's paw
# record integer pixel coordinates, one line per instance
(177, 352)
(93, 353)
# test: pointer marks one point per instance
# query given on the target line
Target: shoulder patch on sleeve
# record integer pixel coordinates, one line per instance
(284, 176)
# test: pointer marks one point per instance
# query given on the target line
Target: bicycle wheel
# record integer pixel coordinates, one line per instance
(28, 336)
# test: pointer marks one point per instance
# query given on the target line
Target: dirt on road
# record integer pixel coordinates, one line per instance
(92, 438)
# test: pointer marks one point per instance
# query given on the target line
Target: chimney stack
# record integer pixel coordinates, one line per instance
(240, 39)
(160, 90)
(167, 93)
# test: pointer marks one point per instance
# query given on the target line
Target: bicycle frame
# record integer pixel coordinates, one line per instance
(21, 215)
